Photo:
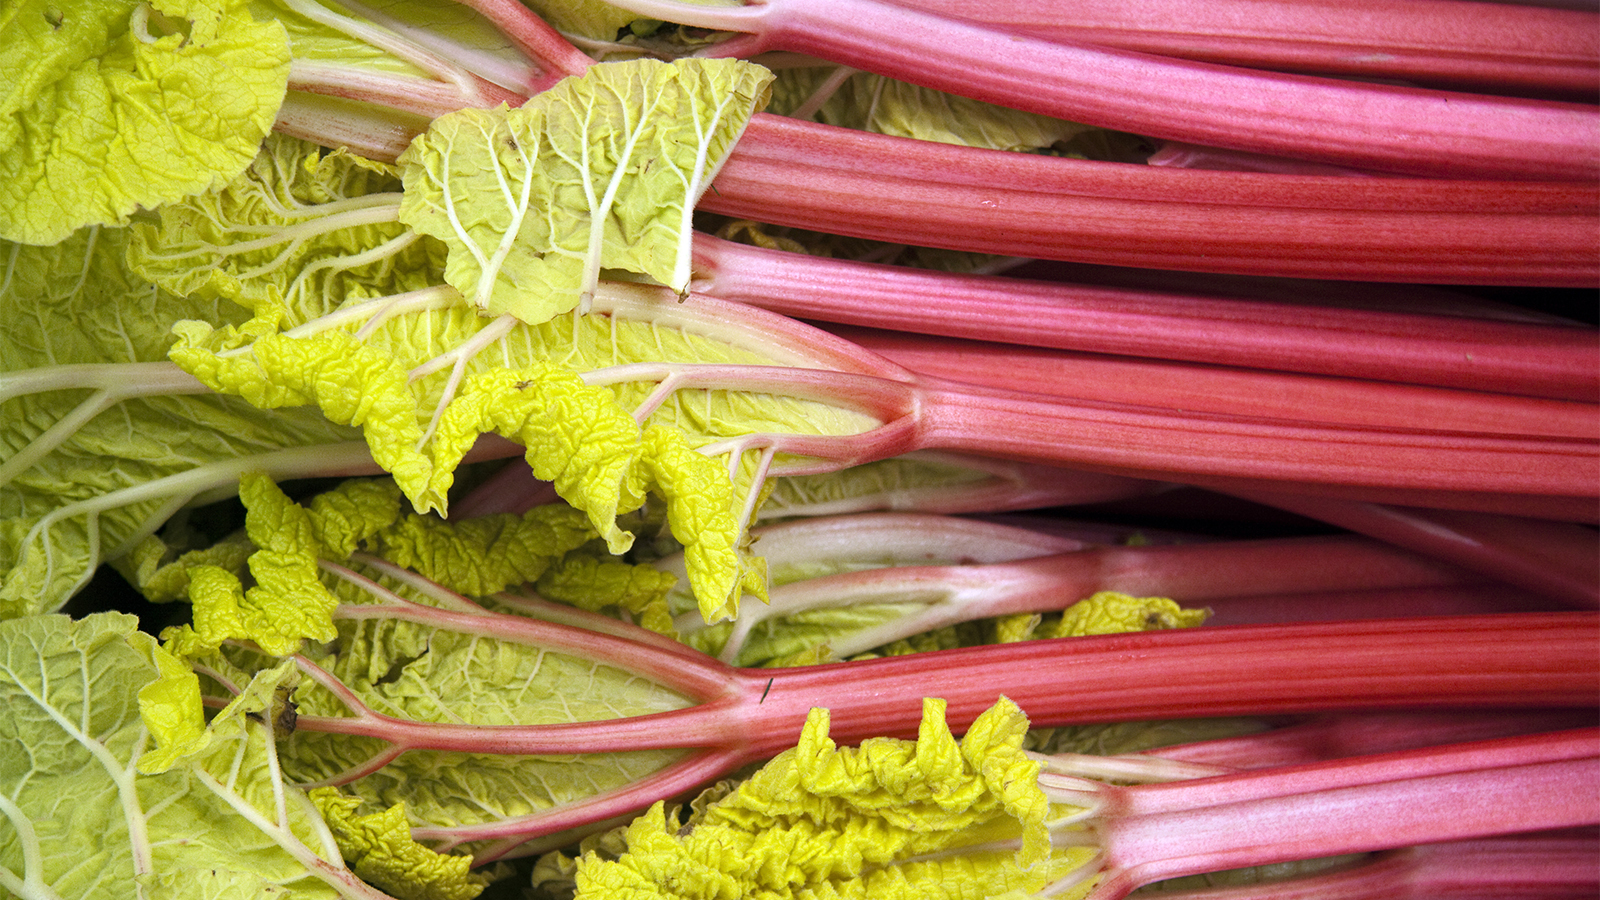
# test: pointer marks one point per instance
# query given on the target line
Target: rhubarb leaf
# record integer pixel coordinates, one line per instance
(600, 582)
(408, 669)
(112, 106)
(425, 383)
(287, 602)
(593, 19)
(160, 571)
(378, 847)
(102, 439)
(488, 554)
(932, 817)
(299, 234)
(601, 171)
(82, 821)
(1110, 612)
(424, 375)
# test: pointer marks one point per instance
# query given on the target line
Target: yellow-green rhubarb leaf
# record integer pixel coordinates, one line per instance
(84, 820)
(600, 582)
(701, 513)
(351, 383)
(170, 707)
(162, 575)
(101, 437)
(577, 437)
(1109, 612)
(379, 848)
(487, 554)
(286, 606)
(930, 818)
(300, 233)
(600, 172)
(113, 105)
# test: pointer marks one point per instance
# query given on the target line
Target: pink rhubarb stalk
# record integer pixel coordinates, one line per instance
(1377, 603)
(1355, 734)
(915, 412)
(1446, 351)
(1391, 128)
(801, 174)
(1227, 390)
(916, 192)
(1493, 47)
(1153, 832)
(1561, 865)
(1560, 560)
(744, 715)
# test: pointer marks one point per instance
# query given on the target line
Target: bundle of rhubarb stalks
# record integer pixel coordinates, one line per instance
(811, 448)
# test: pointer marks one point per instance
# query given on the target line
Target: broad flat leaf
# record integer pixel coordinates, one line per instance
(79, 820)
(601, 171)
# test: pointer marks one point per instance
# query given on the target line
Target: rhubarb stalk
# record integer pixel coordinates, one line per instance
(1398, 129)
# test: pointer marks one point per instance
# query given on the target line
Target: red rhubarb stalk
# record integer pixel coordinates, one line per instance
(1156, 831)
(1559, 560)
(1005, 366)
(1377, 603)
(743, 715)
(1445, 351)
(1354, 734)
(1227, 390)
(1543, 866)
(1397, 129)
(1494, 47)
(839, 181)
(917, 192)
(1192, 574)
(917, 413)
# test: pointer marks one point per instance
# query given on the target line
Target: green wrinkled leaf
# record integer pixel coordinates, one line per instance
(101, 438)
(300, 233)
(351, 384)
(599, 582)
(113, 105)
(487, 554)
(379, 848)
(890, 818)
